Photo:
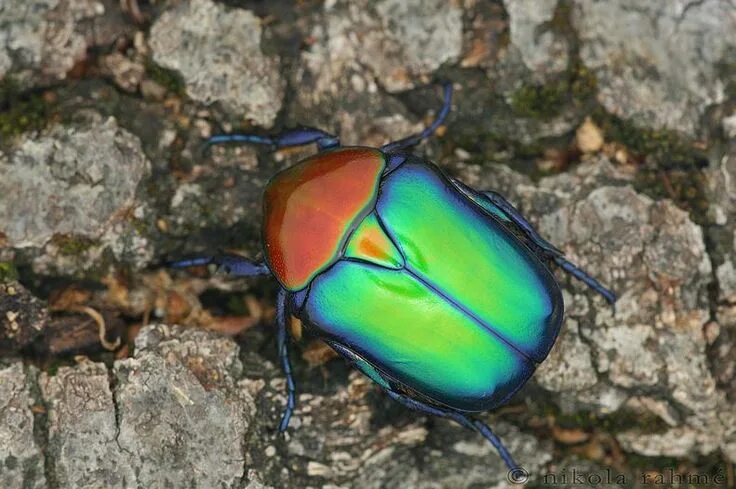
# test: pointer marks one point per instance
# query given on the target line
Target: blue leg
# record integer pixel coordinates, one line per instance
(285, 364)
(371, 372)
(461, 419)
(232, 264)
(288, 138)
(496, 204)
(415, 139)
(585, 278)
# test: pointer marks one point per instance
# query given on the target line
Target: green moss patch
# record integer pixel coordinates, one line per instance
(8, 272)
(169, 79)
(540, 101)
(22, 111)
(72, 245)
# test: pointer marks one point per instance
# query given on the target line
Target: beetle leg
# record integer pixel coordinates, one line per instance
(556, 255)
(475, 425)
(497, 205)
(415, 139)
(288, 138)
(583, 276)
(285, 364)
(461, 419)
(232, 264)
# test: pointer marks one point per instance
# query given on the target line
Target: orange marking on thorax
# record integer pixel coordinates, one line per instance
(310, 207)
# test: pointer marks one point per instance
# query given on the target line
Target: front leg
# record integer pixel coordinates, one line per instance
(285, 139)
(282, 338)
(232, 264)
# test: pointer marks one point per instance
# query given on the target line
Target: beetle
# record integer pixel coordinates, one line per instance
(439, 293)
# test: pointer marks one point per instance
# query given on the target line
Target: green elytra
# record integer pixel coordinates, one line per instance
(417, 280)
(466, 318)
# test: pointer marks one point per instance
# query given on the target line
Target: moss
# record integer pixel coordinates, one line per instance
(577, 87)
(8, 89)
(22, 111)
(560, 22)
(169, 79)
(667, 147)
(71, 245)
(540, 101)
(657, 464)
(584, 83)
(617, 422)
(670, 163)
(727, 72)
(8, 272)
(685, 188)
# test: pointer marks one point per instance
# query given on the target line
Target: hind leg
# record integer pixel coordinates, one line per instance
(462, 419)
(385, 384)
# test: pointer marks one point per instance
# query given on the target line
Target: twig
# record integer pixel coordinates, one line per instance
(97, 317)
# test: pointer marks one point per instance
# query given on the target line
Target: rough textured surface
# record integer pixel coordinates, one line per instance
(217, 51)
(721, 186)
(22, 33)
(73, 181)
(404, 40)
(658, 63)
(182, 416)
(396, 41)
(333, 437)
(82, 429)
(177, 417)
(559, 105)
(721, 189)
(21, 460)
(341, 438)
(653, 346)
(72, 193)
(22, 317)
(542, 50)
(43, 39)
(360, 49)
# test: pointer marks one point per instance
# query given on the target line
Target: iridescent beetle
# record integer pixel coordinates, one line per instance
(434, 290)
